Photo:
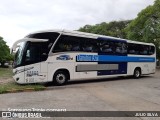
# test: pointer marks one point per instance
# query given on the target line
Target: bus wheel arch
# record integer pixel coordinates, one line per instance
(61, 77)
(137, 72)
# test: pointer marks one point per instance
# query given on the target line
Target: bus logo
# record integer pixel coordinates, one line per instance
(64, 57)
(92, 58)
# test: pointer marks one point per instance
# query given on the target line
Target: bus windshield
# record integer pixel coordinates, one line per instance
(30, 52)
(19, 54)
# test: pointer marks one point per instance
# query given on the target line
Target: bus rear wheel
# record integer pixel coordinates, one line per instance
(137, 73)
(60, 78)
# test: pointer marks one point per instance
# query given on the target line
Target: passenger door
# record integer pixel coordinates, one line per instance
(32, 62)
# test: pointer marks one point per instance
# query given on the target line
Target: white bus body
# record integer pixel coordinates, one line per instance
(61, 55)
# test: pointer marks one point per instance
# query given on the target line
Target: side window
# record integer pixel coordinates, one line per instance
(32, 54)
(113, 47)
(151, 50)
(144, 49)
(106, 46)
(139, 49)
(89, 45)
(120, 48)
(51, 36)
(75, 44)
(35, 52)
(133, 48)
(72, 43)
(67, 43)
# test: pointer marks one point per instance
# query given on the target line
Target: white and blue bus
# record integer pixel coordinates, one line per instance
(61, 55)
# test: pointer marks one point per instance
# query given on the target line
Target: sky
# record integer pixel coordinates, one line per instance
(21, 17)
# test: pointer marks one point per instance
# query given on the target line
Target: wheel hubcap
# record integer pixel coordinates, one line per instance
(60, 78)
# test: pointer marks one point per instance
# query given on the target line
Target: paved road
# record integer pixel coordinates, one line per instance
(116, 94)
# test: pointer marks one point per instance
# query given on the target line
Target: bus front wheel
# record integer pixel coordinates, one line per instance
(137, 73)
(60, 78)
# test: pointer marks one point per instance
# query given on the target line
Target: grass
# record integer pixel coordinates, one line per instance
(11, 86)
(5, 72)
(14, 87)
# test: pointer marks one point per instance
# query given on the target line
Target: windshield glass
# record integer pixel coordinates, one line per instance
(19, 55)
(34, 52)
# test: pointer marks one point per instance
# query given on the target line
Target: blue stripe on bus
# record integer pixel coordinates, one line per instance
(111, 58)
(125, 59)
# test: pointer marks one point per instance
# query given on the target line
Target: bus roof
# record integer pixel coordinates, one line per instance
(89, 35)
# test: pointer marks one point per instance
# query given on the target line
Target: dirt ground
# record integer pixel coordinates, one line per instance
(5, 80)
(116, 94)
(6, 75)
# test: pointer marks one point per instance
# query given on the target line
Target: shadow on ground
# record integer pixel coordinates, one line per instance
(50, 84)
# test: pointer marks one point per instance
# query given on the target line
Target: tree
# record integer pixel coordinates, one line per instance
(114, 28)
(4, 52)
(146, 27)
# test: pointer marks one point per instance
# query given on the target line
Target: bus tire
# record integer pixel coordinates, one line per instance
(60, 78)
(137, 73)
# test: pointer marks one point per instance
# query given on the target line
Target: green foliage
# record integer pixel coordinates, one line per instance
(14, 87)
(146, 27)
(5, 73)
(115, 28)
(4, 52)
